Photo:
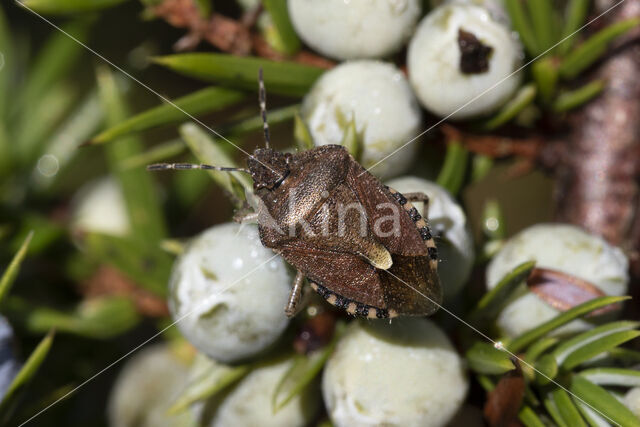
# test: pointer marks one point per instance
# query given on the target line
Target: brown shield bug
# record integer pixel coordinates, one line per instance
(362, 245)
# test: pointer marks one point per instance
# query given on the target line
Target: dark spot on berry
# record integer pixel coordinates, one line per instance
(474, 55)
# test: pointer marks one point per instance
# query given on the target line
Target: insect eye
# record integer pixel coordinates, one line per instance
(281, 180)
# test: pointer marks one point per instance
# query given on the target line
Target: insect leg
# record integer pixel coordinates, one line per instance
(246, 217)
(419, 197)
(189, 166)
(293, 305)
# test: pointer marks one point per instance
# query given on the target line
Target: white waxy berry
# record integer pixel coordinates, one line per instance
(406, 373)
(355, 29)
(561, 247)
(377, 96)
(228, 293)
(146, 388)
(250, 402)
(462, 62)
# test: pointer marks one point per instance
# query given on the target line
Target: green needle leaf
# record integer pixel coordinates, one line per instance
(202, 101)
(546, 369)
(100, 318)
(10, 274)
(603, 401)
(545, 74)
(575, 15)
(27, 372)
(520, 101)
(46, 232)
(209, 378)
(67, 7)
(480, 167)
(593, 418)
(613, 376)
(54, 62)
(561, 319)
(568, 347)
(454, 169)
(205, 148)
(624, 356)
(287, 36)
(492, 302)
(137, 185)
(544, 22)
(156, 154)
(522, 25)
(539, 347)
(302, 134)
(529, 418)
(553, 410)
(493, 220)
(50, 110)
(63, 145)
(593, 48)
(566, 409)
(351, 140)
(283, 78)
(274, 117)
(571, 99)
(303, 371)
(601, 345)
(486, 359)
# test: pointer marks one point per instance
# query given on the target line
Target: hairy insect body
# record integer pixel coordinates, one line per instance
(360, 244)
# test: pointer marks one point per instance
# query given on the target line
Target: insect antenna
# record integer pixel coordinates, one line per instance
(263, 109)
(189, 166)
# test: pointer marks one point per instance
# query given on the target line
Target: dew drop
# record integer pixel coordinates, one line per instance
(492, 224)
(48, 165)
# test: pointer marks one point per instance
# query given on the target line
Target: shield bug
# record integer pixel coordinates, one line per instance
(362, 245)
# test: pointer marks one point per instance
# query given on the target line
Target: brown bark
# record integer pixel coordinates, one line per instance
(107, 281)
(224, 33)
(596, 174)
(227, 34)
